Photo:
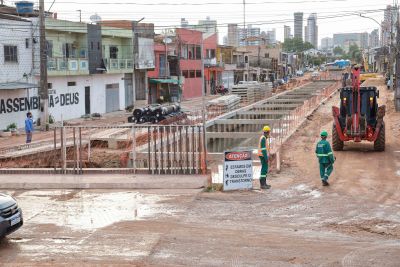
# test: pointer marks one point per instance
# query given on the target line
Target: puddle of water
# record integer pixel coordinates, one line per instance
(19, 240)
(315, 194)
(92, 210)
(398, 173)
(302, 187)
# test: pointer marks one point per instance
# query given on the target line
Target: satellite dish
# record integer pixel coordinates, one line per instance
(95, 18)
(167, 40)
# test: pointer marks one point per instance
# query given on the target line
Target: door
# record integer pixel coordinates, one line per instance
(87, 100)
(128, 89)
(112, 97)
(140, 85)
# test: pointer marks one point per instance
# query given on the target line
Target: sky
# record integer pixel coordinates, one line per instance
(334, 16)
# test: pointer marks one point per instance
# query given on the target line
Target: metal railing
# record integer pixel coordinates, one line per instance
(67, 64)
(118, 64)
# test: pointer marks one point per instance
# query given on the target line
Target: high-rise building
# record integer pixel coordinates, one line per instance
(286, 32)
(242, 37)
(207, 26)
(374, 38)
(340, 39)
(184, 23)
(388, 25)
(298, 25)
(311, 30)
(363, 40)
(326, 43)
(253, 32)
(271, 36)
(233, 35)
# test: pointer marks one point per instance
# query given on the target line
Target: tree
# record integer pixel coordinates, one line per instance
(296, 45)
(355, 54)
(338, 51)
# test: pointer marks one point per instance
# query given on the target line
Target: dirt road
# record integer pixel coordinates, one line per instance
(354, 222)
(359, 170)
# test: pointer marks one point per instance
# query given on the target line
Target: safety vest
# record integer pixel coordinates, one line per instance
(260, 149)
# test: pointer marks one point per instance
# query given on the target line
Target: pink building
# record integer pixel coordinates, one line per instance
(189, 47)
(178, 76)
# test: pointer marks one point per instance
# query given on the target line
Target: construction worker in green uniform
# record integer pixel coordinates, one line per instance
(263, 150)
(325, 158)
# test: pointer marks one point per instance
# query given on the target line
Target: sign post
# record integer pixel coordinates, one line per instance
(238, 170)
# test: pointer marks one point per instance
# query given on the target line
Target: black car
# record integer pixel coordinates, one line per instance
(10, 215)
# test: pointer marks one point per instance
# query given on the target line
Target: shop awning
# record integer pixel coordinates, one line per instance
(17, 85)
(173, 81)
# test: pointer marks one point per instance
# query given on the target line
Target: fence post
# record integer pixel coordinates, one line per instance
(64, 150)
(133, 132)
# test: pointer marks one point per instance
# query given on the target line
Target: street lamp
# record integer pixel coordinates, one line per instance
(361, 15)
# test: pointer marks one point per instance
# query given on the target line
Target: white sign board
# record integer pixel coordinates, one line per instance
(238, 170)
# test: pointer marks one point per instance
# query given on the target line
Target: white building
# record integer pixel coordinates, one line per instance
(18, 68)
(90, 68)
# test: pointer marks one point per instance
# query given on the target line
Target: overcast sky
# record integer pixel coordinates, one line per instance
(266, 14)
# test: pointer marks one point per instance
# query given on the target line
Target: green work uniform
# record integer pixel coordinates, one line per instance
(263, 155)
(326, 159)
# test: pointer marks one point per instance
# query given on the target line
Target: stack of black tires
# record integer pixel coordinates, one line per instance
(154, 113)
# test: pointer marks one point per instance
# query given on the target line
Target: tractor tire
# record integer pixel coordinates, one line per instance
(337, 144)
(379, 144)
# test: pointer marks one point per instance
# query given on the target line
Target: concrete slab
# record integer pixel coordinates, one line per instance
(101, 181)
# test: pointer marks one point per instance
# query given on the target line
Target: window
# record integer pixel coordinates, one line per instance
(198, 73)
(163, 68)
(184, 51)
(91, 45)
(113, 52)
(69, 50)
(210, 53)
(198, 52)
(27, 43)
(10, 53)
(98, 45)
(266, 55)
(71, 84)
(49, 47)
(246, 60)
(49, 86)
(191, 52)
(185, 73)
(192, 74)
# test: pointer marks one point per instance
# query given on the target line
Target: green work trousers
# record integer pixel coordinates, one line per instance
(325, 169)
(264, 168)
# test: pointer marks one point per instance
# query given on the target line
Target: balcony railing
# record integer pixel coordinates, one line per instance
(67, 64)
(118, 64)
(212, 62)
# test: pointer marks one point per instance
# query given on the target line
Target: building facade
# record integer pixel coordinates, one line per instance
(287, 32)
(374, 38)
(298, 25)
(19, 57)
(311, 30)
(326, 44)
(233, 35)
(388, 25)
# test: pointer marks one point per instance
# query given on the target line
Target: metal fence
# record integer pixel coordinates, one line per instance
(153, 149)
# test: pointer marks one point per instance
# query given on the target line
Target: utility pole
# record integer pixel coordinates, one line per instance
(43, 90)
(203, 110)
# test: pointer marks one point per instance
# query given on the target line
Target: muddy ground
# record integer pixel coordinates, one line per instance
(354, 222)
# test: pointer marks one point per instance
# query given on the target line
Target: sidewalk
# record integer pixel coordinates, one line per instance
(101, 181)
